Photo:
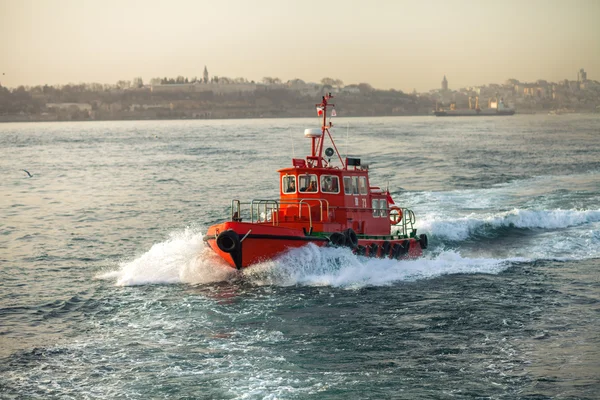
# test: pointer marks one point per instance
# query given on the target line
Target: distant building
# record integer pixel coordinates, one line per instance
(205, 75)
(70, 106)
(445, 84)
(351, 89)
(581, 76)
(217, 88)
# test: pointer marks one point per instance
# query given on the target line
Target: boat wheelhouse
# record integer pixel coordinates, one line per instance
(324, 202)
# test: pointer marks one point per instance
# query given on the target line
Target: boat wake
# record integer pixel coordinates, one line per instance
(478, 225)
(184, 258)
(462, 245)
(316, 266)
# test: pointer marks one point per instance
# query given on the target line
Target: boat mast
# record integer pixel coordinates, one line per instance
(325, 129)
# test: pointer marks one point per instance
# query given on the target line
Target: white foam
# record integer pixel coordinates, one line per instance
(314, 266)
(183, 258)
(461, 228)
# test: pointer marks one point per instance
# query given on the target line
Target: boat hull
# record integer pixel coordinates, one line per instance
(256, 242)
(244, 244)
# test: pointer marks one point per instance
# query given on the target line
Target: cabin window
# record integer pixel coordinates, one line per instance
(355, 184)
(308, 183)
(288, 184)
(347, 185)
(383, 207)
(375, 204)
(330, 184)
(362, 184)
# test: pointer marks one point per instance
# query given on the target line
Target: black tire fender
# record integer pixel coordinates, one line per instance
(361, 250)
(423, 241)
(385, 249)
(228, 241)
(373, 249)
(351, 238)
(337, 239)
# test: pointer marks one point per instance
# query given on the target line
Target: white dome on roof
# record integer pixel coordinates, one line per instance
(313, 133)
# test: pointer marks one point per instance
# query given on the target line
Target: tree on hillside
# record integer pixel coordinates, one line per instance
(365, 87)
(138, 82)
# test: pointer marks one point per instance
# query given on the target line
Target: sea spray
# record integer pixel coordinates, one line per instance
(339, 267)
(183, 258)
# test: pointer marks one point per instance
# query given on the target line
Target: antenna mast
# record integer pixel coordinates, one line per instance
(325, 129)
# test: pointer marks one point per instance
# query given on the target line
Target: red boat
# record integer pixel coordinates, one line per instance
(324, 202)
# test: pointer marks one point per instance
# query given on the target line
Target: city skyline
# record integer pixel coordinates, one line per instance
(399, 45)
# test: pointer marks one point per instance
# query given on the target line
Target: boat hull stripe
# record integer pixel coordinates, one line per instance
(277, 237)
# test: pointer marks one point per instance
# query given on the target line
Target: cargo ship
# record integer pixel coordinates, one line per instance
(495, 108)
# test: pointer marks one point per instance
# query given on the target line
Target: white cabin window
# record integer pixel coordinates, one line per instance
(347, 185)
(362, 184)
(330, 184)
(288, 184)
(383, 207)
(355, 184)
(375, 204)
(308, 183)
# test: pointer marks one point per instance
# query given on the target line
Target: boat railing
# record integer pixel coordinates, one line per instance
(407, 223)
(268, 210)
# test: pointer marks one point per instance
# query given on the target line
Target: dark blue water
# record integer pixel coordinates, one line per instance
(107, 290)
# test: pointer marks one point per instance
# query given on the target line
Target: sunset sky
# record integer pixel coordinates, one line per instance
(389, 44)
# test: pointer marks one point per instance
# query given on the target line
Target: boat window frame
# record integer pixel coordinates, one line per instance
(311, 176)
(383, 207)
(362, 185)
(346, 187)
(355, 185)
(283, 185)
(333, 177)
(375, 206)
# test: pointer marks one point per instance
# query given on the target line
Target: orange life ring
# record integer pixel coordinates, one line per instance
(395, 215)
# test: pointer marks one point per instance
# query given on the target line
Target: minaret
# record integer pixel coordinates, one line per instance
(445, 84)
(205, 75)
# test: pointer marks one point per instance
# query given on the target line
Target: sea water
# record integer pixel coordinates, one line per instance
(107, 289)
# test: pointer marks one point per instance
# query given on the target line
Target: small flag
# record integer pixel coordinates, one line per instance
(319, 111)
(389, 198)
(333, 113)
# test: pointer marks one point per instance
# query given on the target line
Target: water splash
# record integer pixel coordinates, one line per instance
(183, 258)
(317, 266)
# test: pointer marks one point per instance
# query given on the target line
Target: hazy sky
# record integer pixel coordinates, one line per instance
(389, 44)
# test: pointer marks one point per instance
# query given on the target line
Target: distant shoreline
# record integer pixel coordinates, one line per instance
(14, 119)
(22, 120)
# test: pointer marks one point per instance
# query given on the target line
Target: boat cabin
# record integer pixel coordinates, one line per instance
(332, 198)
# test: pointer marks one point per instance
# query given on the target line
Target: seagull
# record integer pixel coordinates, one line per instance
(27, 173)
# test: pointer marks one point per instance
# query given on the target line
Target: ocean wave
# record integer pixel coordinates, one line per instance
(462, 228)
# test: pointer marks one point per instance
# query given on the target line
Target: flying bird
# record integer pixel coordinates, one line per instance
(27, 173)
